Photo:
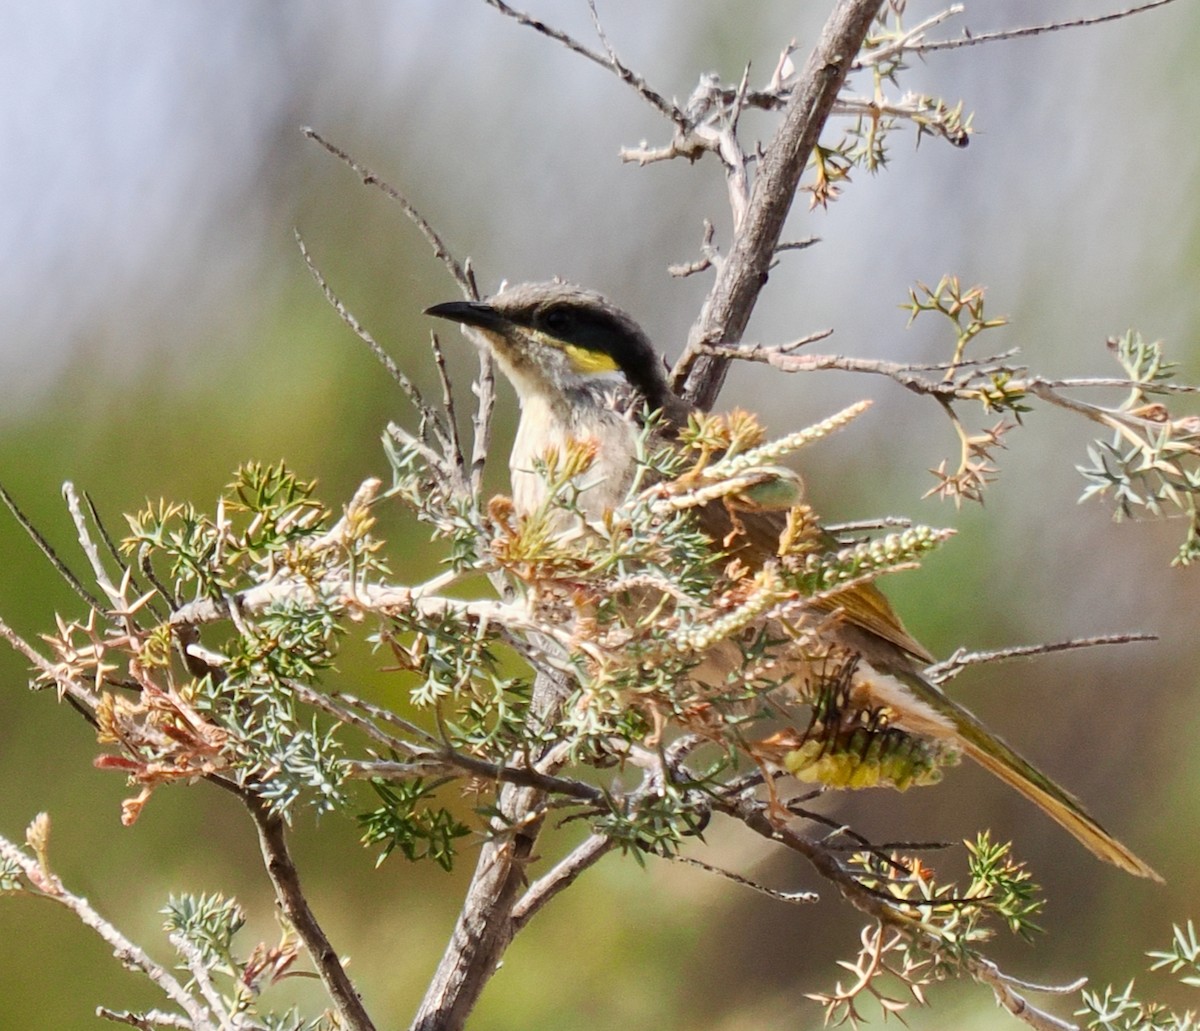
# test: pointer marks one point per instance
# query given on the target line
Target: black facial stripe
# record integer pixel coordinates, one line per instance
(605, 333)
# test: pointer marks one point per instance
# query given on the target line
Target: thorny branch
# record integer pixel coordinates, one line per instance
(752, 814)
(124, 613)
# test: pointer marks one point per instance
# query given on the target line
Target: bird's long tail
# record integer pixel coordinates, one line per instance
(995, 756)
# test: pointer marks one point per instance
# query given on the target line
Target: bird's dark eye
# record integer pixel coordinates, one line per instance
(557, 320)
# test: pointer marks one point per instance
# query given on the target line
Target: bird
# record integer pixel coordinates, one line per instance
(583, 370)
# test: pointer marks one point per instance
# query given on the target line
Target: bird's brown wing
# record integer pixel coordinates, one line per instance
(754, 538)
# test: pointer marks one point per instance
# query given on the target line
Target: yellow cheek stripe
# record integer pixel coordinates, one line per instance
(581, 358)
(589, 361)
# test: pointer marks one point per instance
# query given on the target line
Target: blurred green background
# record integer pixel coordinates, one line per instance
(158, 328)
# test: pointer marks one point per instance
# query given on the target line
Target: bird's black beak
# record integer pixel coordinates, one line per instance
(468, 313)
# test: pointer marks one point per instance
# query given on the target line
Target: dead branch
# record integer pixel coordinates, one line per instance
(961, 659)
(608, 60)
(914, 45)
(698, 376)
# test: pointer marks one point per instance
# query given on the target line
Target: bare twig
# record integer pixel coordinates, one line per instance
(446, 759)
(735, 160)
(116, 595)
(797, 245)
(709, 256)
(333, 704)
(151, 1020)
(986, 972)
(113, 551)
(790, 897)
(464, 276)
(1081, 382)
(201, 977)
(968, 40)
(881, 848)
(428, 415)
(689, 145)
(780, 356)
(455, 444)
(460, 272)
(608, 60)
(60, 566)
(961, 659)
(699, 376)
(481, 421)
(294, 904)
(1096, 413)
(861, 525)
(858, 842)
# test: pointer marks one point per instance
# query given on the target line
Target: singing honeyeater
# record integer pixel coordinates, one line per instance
(583, 370)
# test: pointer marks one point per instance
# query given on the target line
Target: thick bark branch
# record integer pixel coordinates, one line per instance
(486, 924)
(744, 272)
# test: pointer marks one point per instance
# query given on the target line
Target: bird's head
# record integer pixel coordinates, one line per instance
(555, 340)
